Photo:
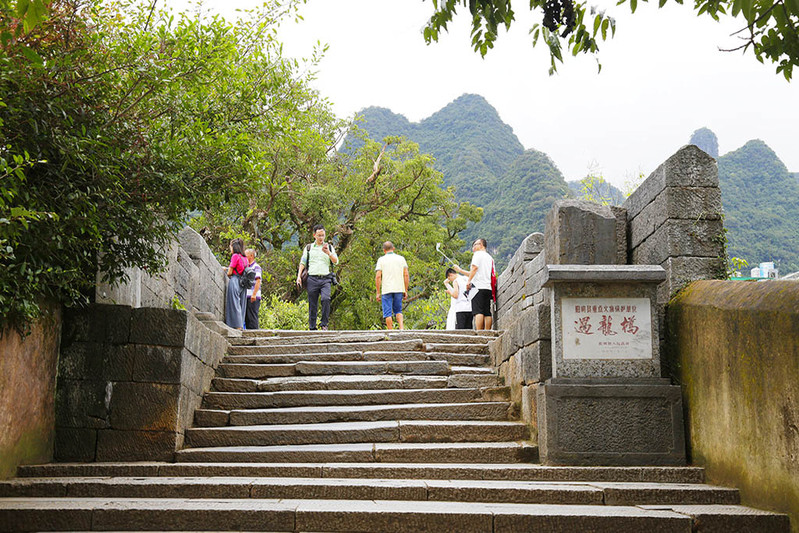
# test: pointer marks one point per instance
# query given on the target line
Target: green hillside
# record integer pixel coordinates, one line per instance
(482, 158)
(761, 206)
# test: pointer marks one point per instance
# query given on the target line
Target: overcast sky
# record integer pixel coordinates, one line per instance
(662, 78)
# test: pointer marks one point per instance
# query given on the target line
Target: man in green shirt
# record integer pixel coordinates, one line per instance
(319, 258)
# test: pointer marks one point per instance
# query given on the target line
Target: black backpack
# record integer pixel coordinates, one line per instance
(247, 279)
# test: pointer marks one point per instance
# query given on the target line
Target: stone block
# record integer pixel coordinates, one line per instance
(689, 167)
(681, 271)
(529, 408)
(675, 238)
(117, 445)
(121, 293)
(157, 364)
(532, 245)
(535, 324)
(100, 323)
(621, 234)
(82, 403)
(194, 245)
(535, 362)
(75, 444)
(145, 406)
(690, 203)
(160, 327)
(580, 232)
(610, 422)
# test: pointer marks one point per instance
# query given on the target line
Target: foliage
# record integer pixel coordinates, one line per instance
(595, 188)
(483, 160)
(759, 196)
(771, 27)
(529, 188)
(707, 141)
(429, 313)
(381, 191)
(282, 314)
(118, 119)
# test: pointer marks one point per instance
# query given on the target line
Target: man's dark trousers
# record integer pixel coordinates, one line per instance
(251, 315)
(318, 285)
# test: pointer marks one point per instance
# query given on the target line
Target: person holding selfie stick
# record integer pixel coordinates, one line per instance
(319, 258)
(480, 279)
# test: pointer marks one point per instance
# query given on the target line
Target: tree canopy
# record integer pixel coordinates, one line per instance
(769, 28)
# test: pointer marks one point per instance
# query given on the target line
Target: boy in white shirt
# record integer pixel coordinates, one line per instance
(461, 302)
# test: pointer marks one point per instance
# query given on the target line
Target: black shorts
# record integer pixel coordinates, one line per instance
(481, 304)
(463, 320)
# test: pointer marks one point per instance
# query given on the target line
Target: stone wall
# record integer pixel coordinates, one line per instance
(129, 381)
(193, 275)
(735, 347)
(673, 219)
(27, 389)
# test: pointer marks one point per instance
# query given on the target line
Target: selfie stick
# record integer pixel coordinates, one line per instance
(438, 249)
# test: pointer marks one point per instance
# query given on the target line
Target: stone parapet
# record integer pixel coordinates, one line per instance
(129, 381)
(192, 274)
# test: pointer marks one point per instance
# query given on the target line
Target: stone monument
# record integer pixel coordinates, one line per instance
(606, 403)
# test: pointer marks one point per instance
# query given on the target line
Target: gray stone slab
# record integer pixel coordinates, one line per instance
(675, 238)
(513, 492)
(610, 424)
(463, 452)
(294, 434)
(233, 400)
(313, 453)
(580, 232)
(144, 406)
(119, 445)
(690, 203)
(628, 274)
(333, 515)
(344, 413)
(724, 518)
(594, 518)
(257, 370)
(162, 327)
(621, 234)
(462, 431)
(665, 493)
(688, 167)
(211, 417)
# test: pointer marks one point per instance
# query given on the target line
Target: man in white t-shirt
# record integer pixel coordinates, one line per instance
(480, 279)
(392, 282)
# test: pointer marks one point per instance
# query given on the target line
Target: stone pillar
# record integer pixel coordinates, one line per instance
(606, 404)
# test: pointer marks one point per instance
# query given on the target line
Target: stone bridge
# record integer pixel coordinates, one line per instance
(415, 431)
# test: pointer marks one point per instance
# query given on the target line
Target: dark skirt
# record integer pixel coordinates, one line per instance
(236, 303)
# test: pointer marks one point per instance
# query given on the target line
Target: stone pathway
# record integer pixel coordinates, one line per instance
(365, 431)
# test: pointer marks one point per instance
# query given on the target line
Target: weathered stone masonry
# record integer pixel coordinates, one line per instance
(673, 220)
(131, 376)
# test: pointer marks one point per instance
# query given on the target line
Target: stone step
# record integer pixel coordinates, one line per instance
(451, 358)
(316, 368)
(500, 491)
(348, 413)
(467, 337)
(333, 347)
(388, 452)
(457, 348)
(363, 382)
(171, 514)
(263, 400)
(358, 432)
(472, 471)
(387, 334)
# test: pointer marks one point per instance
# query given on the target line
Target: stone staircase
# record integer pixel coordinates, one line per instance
(365, 431)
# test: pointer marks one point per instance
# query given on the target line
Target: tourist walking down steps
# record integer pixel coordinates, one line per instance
(318, 258)
(236, 300)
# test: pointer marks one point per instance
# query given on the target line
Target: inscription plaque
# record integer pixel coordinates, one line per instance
(606, 328)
